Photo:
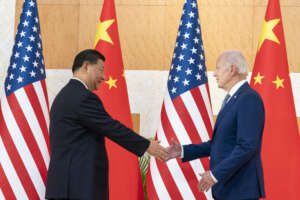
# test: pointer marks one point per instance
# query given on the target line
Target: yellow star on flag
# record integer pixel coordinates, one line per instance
(258, 78)
(102, 31)
(267, 32)
(111, 82)
(278, 82)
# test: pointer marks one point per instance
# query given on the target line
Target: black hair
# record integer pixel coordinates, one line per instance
(90, 55)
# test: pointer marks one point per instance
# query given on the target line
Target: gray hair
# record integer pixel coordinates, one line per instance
(234, 57)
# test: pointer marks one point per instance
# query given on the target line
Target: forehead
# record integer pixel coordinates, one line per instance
(220, 62)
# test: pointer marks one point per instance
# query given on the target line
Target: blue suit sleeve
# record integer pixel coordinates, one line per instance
(194, 151)
(250, 123)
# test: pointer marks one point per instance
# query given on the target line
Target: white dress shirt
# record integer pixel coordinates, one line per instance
(235, 88)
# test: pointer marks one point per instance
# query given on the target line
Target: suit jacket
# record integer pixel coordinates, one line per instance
(235, 147)
(78, 125)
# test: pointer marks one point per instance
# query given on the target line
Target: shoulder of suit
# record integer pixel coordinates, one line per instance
(78, 92)
(250, 94)
(91, 97)
(254, 92)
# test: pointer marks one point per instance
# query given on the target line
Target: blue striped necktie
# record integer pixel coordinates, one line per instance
(225, 101)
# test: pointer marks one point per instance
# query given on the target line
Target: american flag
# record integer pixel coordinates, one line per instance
(24, 114)
(186, 114)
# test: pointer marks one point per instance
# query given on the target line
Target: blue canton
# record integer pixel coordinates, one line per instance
(188, 64)
(26, 63)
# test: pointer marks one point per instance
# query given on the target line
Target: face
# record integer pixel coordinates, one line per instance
(223, 74)
(95, 74)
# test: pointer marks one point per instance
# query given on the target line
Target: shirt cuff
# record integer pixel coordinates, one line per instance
(182, 152)
(213, 177)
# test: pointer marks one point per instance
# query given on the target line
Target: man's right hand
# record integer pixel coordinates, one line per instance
(158, 151)
(174, 150)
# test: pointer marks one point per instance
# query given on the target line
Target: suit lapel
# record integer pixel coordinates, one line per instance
(230, 103)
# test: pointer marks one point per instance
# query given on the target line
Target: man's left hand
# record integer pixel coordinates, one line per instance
(206, 182)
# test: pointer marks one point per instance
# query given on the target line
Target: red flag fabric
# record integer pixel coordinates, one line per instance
(186, 114)
(124, 173)
(281, 141)
(24, 114)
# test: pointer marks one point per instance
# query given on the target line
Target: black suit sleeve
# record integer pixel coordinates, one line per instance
(93, 115)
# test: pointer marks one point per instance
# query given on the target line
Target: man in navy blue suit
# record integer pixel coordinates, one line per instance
(235, 148)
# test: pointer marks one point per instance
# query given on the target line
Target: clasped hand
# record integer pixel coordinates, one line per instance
(175, 151)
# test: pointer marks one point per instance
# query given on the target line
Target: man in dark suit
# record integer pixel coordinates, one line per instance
(235, 148)
(78, 125)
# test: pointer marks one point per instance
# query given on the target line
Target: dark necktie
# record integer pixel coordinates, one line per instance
(225, 101)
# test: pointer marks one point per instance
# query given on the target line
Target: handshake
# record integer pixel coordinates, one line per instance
(174, 151)
(162, 153)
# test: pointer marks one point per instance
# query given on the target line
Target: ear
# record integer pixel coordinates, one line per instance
(233, 69)
(85, 65)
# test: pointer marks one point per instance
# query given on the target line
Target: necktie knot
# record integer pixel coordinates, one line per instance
(225, 101)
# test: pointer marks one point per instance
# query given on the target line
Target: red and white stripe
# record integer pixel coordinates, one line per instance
(24, 142)
(188, 119)
(1, 195)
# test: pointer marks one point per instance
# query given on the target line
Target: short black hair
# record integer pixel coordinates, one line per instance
(90, 55)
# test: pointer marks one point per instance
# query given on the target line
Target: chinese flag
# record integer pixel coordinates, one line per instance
(281, 141)
(124, 173)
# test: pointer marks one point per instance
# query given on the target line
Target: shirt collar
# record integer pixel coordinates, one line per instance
(236, 87)
(75, 78)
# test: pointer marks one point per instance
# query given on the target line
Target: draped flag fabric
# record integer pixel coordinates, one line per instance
(281, 141)
(124, 173)
(24, 114)
(186, 114)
